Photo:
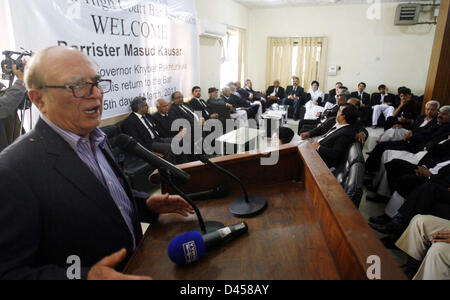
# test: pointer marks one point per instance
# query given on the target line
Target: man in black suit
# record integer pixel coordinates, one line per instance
(361, 133)
(63, 194)
(307, 125)
(414, 143)
(361, 95)
(144, 129)
(382, 104)
(162, 119)
(199, 104)
(405, 113)
(366, 108)
(295, 97)
(275, 93)
(333, 146)
(238, 103)
(332, 94)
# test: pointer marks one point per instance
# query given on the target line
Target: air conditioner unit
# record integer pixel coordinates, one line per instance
(407, 14)
(212, 29)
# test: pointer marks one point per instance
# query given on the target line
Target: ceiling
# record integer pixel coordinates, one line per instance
(281, 3)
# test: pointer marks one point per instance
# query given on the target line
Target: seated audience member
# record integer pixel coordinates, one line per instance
(248, 93)
(307, 125)
(382, 103)
(243, 94)
(424, 124)
(63, 194)
(142, 127)
(229, 98)
(162, 119)
(333, 146)
(180, 110)
(366, 107)
(416, 143)
(199, 104)
(427, 240)
(361, 95)
(425, 192)
(254, 110)
(434, 153)
(295, 97)
(406, 112)
(274, 94)
(332, 94)
(315, 104)
(285, 135)
(361, 133)
(225, 110)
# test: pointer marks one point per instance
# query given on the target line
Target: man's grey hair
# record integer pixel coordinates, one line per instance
(445, 109)
(434, 102)
(137, 103)
(226, 89)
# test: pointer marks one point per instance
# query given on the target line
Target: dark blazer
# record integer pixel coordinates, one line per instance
(335, 146)
(197, 106)
(299, 93)
(164, 125)
(376, 99)
(331, 96)
(365, 99)
(330, 122)
(53, 207)
(134, 127)
(239, 102)
(175, 112)
(280, 94)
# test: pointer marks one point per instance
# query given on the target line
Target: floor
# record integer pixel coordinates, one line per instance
(367, 209)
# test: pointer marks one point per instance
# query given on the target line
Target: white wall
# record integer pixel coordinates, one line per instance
(373, 51)
(222, 11)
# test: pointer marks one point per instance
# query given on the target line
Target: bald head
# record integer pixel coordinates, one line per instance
(50, 66)
(162, 106)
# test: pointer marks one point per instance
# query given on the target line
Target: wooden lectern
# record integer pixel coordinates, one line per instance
(311, 230)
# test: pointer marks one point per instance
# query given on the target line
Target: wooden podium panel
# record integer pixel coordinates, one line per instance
(310, 230)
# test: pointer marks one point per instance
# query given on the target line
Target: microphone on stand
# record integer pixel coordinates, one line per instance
(167, 173)
(215, 193)
(246, 206)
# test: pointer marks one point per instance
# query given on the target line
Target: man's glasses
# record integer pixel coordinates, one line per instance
(84, 89)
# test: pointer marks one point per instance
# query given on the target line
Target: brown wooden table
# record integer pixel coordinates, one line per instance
(310, 230)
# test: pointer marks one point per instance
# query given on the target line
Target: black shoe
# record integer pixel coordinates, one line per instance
(371, 188)
(389, 243)
(380, 220)
(388, 228)
(378, 199)
(411, 267)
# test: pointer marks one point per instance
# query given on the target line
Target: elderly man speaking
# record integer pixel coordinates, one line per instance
(63, 195)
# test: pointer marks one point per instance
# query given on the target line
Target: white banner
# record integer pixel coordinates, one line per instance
(147, 48)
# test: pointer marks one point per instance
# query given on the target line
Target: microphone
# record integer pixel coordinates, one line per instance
(215, 193)
(190, 247)
(130, 145)
(246, 206)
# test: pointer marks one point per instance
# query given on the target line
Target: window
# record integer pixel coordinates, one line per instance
(233, 56)
(302, 57)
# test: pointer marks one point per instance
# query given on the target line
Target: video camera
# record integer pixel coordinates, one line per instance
(8, 62)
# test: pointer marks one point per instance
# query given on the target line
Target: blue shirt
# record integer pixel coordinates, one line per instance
(90, 152)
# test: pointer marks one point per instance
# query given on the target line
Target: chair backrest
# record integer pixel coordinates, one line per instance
(354, 183)
(354, 155)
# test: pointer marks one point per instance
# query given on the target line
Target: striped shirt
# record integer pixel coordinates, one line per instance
(97, 163)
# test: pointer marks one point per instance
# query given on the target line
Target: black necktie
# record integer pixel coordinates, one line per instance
(150, 127)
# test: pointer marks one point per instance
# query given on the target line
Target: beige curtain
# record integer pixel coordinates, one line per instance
(279, 60)
(242, 60)
(310, 60)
